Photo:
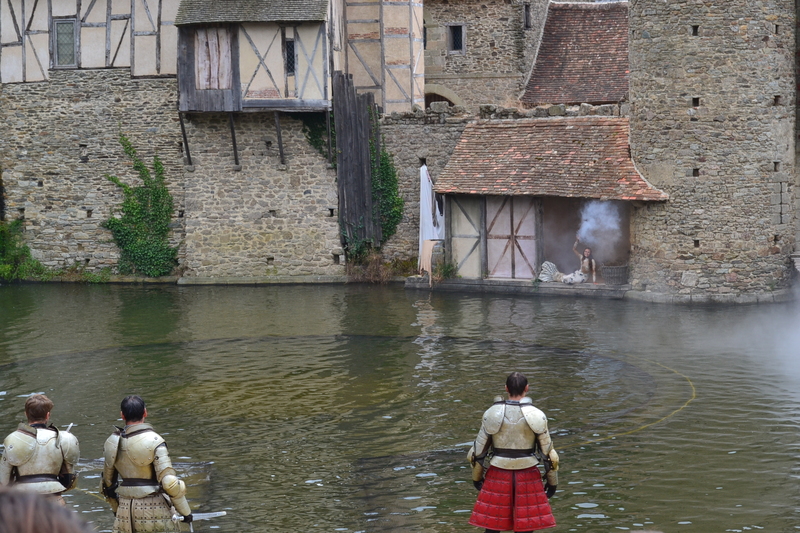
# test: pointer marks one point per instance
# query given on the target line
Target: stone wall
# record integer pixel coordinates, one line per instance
(61, 138)
(713, 124)
(266, 218)
(498, 51)
(431, 136)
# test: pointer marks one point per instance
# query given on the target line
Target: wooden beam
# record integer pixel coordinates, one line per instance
(280, 137)
(185, 140)
(233, 138)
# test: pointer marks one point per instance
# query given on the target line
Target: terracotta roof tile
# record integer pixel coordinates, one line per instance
(581, 157)
(583, 57)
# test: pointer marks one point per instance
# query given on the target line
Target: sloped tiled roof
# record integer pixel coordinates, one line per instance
(581, 157)
(583, 56)
(213, 11)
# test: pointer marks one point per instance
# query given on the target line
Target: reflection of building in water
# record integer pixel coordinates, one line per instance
(428, 341)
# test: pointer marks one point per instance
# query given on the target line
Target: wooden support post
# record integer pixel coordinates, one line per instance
(280, 137)
(233, 137)
(185, 140)
(330, 143)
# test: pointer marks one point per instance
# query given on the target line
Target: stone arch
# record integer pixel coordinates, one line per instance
(441, 90)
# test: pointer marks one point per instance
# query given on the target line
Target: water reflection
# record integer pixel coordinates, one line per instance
(350, 408)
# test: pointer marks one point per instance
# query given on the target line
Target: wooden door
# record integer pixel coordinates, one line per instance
(512, 237)
(465, 222)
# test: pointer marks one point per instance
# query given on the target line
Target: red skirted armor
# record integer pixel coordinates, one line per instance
(512, 500)
(512, 496)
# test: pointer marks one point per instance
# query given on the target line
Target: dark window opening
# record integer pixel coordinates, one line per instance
(776, 166)
(777, 100)
(455, 38)
(696, 101)
(424, 38)
(290, 58)
(695, 172)
(777, 27)
(526, 15)
(64, 43)
(695, 31)
(433, 97)
(697, 243)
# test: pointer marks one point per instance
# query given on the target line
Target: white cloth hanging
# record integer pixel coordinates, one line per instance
(431, 219)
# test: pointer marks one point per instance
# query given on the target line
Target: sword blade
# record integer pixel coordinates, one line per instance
(208, 516)
(200, 516)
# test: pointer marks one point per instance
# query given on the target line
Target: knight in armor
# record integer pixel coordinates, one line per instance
(150, 493)
(512, 442)
(38, 457)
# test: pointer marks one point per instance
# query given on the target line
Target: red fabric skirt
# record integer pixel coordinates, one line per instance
(512, 500)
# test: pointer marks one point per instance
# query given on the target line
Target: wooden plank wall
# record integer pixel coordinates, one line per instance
(355, 119)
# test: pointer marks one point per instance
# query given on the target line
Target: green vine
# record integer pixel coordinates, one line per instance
(16, 262)
(142, 230)
(386, 200)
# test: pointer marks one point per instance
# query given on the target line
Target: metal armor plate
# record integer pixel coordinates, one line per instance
(19, 448)
(70, 449)
(493, 418)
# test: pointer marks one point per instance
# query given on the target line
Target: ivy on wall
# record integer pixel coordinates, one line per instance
(386, 198)
(142, 229)
(16, 262)
(315, 128)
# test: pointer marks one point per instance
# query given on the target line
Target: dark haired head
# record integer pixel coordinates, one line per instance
(132, 408)
(516, 383)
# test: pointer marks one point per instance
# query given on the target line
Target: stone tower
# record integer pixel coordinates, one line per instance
(713, 123)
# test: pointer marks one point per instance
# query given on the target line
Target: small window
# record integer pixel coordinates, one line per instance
(695, 31)
(455, 39)
(526, 16)
(696, 101)
(64, 43)
(290, 58)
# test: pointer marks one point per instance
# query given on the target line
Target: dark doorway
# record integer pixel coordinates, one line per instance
(433, 97)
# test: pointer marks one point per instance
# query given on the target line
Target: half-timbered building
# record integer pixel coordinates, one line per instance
(38, 37)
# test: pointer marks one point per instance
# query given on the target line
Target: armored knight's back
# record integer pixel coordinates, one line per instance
(38, 456)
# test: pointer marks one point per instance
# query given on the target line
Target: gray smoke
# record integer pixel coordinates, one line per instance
(600, 225)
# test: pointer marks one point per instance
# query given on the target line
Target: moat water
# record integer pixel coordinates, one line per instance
(351, 408)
